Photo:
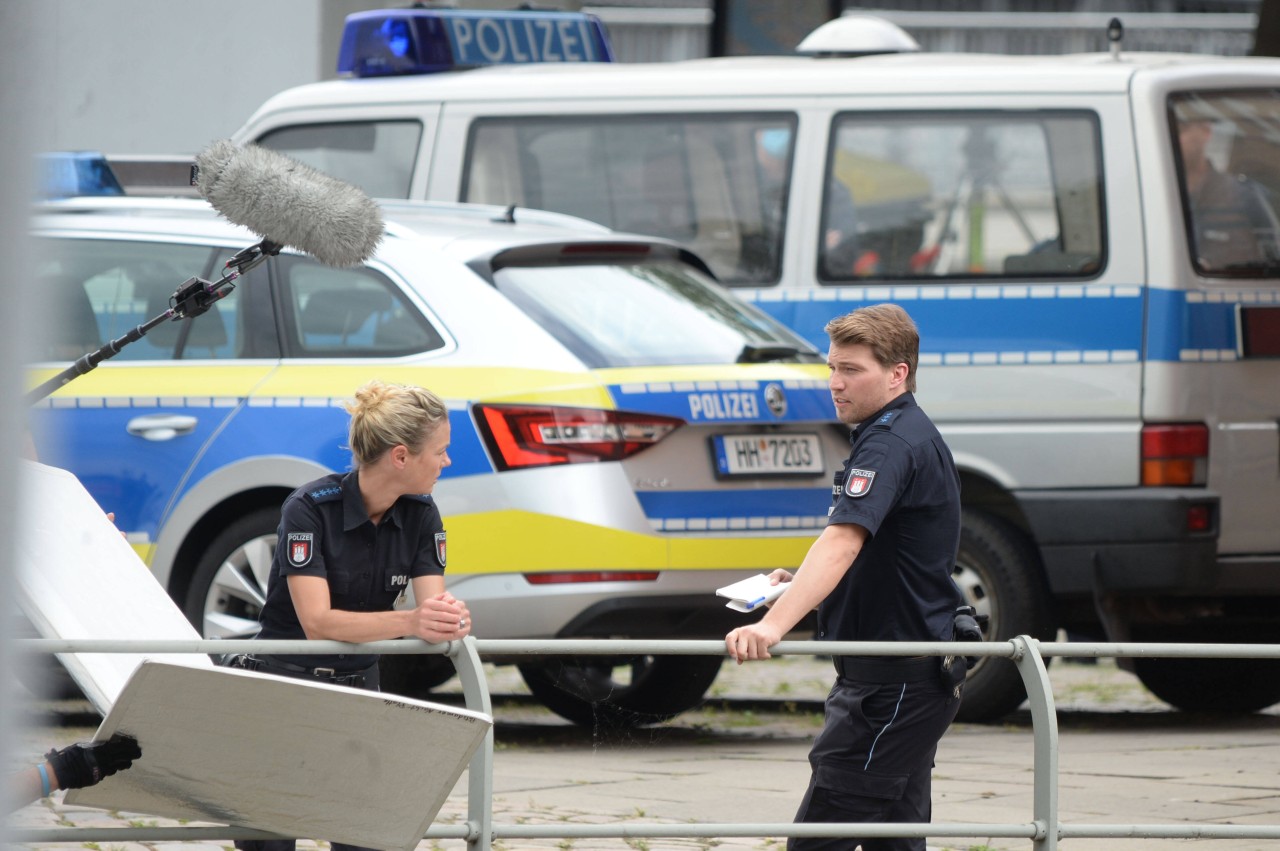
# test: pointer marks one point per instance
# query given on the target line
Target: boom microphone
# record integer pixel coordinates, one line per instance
(289, 203)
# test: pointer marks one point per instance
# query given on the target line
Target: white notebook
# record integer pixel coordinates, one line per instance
(751, 593)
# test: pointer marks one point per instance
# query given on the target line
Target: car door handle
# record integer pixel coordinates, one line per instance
(161, 426)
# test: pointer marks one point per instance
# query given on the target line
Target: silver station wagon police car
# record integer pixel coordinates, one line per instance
(627, 437)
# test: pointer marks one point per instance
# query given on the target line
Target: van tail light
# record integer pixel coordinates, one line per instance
(522, 436)
(1175, 455)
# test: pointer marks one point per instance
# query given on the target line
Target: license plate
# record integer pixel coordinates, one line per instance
(768, 455)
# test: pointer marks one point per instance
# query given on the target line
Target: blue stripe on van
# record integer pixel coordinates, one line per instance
(997, 324)
(1001, 324)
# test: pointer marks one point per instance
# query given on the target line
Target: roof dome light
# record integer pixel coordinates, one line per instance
(857, 35)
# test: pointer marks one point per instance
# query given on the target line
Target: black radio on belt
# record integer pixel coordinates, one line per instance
(968, 627)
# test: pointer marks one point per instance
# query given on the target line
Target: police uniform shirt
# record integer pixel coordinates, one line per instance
(326, 532)
(900, 484)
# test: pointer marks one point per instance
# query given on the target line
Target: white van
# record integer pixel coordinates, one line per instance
(1088, 244)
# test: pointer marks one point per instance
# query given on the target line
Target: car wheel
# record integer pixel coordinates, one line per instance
(1224, 686)
(620, 693)
(229, 585)
(997, 572)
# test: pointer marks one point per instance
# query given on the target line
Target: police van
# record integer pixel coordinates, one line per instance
(1088, 244)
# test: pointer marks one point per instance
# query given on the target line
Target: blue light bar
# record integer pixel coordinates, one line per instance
(76, 173)
(387, 42)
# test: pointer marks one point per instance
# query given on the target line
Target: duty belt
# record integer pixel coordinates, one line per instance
(269, 665)
(887, 669)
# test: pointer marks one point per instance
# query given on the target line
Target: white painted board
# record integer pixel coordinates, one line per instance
(295, 757)
(79, 578)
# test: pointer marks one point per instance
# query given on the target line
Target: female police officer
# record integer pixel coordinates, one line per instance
(880, 571)
(349, 545)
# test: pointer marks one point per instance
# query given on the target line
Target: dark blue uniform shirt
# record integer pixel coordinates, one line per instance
(326, 532)
(900, 484)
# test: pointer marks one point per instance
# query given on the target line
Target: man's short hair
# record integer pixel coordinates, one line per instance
(884, 328)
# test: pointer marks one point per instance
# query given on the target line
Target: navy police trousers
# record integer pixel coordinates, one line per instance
(873, 759)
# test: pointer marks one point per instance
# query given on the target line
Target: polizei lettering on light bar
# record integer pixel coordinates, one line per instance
(491, 41)
(424, 41)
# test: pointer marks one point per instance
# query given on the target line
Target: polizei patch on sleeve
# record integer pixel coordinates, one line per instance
(440, 547)
(858, 482)
(300, 546)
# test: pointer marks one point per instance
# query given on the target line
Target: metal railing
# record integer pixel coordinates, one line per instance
(1044, 828)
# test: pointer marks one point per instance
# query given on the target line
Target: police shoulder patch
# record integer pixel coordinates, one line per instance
(440, 548)
(300, 546)
(858, 482)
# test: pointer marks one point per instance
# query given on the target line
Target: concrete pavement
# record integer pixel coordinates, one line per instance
(1124, 758)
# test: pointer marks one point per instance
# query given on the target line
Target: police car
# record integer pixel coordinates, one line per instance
(627, 437)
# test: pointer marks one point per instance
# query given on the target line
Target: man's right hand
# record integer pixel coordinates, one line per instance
(442, 618)
(751, 642)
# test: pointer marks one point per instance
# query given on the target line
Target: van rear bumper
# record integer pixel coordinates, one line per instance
(1132, 540)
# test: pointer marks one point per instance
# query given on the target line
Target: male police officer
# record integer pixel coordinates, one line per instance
(880, 571)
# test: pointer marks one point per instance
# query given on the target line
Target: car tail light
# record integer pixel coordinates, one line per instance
(537, 436)
(565, 577)
(1175, 455)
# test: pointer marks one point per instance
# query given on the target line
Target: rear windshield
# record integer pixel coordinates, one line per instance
(645, 314)
(1227, 148)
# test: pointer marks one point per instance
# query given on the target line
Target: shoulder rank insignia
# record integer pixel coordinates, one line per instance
(886, 418)
(326, 494)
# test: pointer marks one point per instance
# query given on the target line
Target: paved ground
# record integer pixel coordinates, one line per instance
(1124, 757)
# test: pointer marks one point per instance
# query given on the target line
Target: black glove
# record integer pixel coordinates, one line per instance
(86, 763)
(967, 629)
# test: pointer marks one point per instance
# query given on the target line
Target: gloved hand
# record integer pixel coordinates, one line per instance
(86, 763)
(966, 629)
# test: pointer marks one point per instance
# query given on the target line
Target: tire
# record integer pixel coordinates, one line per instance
(229, 585)
(1220, 686)
(998, 571)
(587, 690)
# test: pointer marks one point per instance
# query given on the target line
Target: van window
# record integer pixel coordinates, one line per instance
(102, 289)
(718, 184)
(352, 313)
(377, 156)
(1228, 156)
(960, 194)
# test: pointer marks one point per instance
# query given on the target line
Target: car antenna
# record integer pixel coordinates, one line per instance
(1115, 34)
(509, 217)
